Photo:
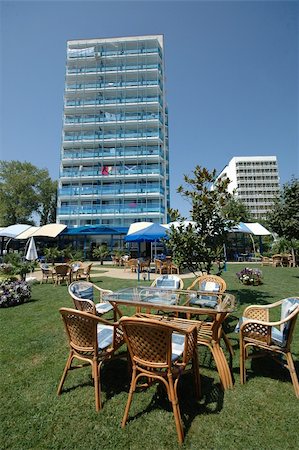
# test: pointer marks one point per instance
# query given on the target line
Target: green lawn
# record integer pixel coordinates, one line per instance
(263, 414)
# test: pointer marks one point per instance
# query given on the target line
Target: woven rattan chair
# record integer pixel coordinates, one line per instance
(92, 340)
(210, 287)
(210, 290)
(168, 282)
(131, 264)
(256, 330)
(46, 272)
(85, 295)
(60, 273)
(160, 353)
(162, 266)
(84, 272)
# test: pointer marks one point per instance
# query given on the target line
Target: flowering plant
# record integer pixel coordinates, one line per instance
(250, 276)
(14, 293)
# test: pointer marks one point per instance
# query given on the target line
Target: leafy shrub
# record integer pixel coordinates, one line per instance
(14, 293)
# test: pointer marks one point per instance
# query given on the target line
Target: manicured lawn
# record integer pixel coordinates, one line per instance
(263, 414)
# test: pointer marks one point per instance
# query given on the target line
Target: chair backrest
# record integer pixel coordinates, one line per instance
(168, 282)
(62, 269)
(209, 283)
(82, 293)
(289, 308)
(151, 342)
(81, 329)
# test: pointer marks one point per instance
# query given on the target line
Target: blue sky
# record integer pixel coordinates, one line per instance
(231, 74)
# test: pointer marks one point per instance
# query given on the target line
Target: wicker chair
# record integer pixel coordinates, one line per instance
(168, 282)
(131, 264)
(258, 331)
(84, 293)
(92, 340)
(46, 272)
(162, 266)
(84, 272)
(210, 290)
(160, 354)
(60, 273)
(209, 286)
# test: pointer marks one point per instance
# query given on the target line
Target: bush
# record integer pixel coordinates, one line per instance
(14, 293)
(250, 276)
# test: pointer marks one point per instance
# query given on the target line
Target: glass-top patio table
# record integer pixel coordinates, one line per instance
(178, 302)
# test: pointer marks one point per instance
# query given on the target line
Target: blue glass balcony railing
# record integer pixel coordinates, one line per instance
(91, 52)
(112, 101)
(108, 171)
(91, 136)
(111, 190)
(74, 153)
(111, 209)
(110, 117)
(112, 84)
(119, 68)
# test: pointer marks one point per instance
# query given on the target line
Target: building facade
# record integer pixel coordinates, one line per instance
(114, 166)
(254, 181)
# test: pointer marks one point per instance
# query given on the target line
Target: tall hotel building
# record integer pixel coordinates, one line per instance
(114, 156)
(254, 181)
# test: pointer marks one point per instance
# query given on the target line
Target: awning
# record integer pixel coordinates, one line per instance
(254, 228)
(27, 233)
(14, 230)
(95, 230)
(150, 232)
(51, 230)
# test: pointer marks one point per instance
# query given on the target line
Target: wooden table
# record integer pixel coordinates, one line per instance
(174, 301)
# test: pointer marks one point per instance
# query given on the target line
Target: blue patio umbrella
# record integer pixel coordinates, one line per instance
(151, 233)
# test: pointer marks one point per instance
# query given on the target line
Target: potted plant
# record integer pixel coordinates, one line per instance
(250, 276)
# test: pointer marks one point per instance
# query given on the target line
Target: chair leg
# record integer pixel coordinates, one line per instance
(129, 401)
(196, 374)
(242, 362)
(176, 409)
(293, 374)
(96, 379)
(65, 371)
(228, 344)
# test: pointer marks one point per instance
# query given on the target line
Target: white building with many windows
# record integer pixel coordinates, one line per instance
(254, 180)
(114, 156)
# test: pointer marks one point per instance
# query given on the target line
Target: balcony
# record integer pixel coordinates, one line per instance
(110, 135)
(107, 153)
(106, 69)
(113, 171)
(110, 101)
(117, 189)
(110, 209)
(93, 52)
(112, 85)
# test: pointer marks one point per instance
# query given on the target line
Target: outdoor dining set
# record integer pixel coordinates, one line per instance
(65, 272)
(167, 326)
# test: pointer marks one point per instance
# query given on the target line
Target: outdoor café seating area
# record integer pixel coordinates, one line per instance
(163, 327)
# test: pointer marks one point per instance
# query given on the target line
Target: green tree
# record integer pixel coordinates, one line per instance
(197, 245)
(48, 201)
(284, 217)
(236, 210)
(25, 190)
(100, 252)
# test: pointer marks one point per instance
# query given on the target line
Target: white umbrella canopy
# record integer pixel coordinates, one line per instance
(31, 254)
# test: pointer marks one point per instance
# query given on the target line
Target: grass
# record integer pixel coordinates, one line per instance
(263, 414)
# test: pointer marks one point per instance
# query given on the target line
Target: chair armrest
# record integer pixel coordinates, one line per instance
(260, 312)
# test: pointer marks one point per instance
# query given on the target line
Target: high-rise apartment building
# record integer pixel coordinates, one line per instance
(114, 155)
(255, 181)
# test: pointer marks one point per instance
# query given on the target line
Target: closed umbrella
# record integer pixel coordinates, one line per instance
(31, 254)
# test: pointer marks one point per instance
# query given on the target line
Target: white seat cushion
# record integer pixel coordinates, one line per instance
(177, 345)
(105, 335)
(104, 307)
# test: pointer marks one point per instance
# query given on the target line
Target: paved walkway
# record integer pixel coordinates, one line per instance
(113, 272)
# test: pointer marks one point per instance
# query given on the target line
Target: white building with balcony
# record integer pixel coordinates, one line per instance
(114, 156)
(255, 181)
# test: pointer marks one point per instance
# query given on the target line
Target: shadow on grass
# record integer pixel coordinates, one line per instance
(211, 401)
(250, 296)
(267, 367)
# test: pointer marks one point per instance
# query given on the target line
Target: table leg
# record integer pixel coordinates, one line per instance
(222, 366)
